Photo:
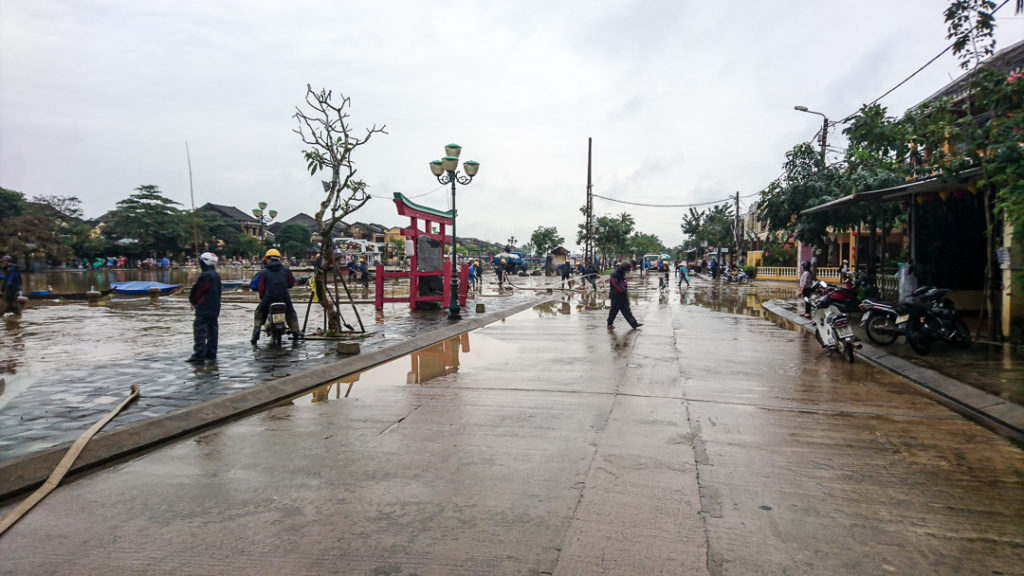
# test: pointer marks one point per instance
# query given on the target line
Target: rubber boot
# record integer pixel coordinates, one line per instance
(255, 334)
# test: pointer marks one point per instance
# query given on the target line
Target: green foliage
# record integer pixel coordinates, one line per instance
(544, 239)
(778, 254)
(641, 243)
(151, 219)
(294, 240)
(713, 226)
(12, 203)
(805, 183)
(36, 229)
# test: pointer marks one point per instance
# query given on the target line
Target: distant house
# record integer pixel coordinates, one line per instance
(249, 224)
(559, 256)
(371, 232)
(300, 219)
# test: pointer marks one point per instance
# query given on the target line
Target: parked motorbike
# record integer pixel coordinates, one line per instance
(736, 275)
(932, 317)
(879, 320)
(831, 326)
(277, 322)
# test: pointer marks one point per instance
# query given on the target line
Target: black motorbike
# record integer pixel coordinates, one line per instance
(277, 322)
(930, 317)
(879, 320)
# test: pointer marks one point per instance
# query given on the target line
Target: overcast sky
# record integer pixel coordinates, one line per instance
(686, 102)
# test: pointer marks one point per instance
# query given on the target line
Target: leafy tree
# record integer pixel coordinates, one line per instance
(805, 183)
(545, 239)
(989, 134)
(67, 206)
(152, 220)
(642, 243)
(32, 229)
(12, 203)
(325, 129)
(294, 240)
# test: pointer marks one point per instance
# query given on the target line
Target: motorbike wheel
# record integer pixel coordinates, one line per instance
(818, 337)
(962, 338)
(917, 338)
(882, 330)
(276, 337)
(845, 349)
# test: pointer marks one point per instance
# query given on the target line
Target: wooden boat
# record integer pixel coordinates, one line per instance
(50, 295)
(142, 288)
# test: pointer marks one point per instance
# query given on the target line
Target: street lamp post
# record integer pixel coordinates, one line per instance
(824, 129)
(264, 217)
(445, 171)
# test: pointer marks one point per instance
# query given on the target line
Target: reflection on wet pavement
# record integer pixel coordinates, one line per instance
(63, 365)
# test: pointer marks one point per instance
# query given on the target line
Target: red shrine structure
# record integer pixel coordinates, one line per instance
(422, 224)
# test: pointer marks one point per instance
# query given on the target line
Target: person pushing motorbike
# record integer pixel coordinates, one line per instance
(273, 283)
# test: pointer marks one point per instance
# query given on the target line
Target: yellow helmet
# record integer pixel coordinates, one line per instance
(272, 253)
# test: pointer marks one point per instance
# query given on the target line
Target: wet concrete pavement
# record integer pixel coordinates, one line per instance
(67, 365)
(704, 443)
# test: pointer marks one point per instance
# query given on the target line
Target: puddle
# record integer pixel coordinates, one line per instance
(423, 367)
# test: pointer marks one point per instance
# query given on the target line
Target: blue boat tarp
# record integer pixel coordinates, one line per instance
(141, 287)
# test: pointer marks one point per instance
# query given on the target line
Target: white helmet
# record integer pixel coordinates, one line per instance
(209, 258)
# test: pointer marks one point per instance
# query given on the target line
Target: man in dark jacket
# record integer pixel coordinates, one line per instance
(11, 286)
(205, 300)
(274, 281)
(591, 273)
(620, 297)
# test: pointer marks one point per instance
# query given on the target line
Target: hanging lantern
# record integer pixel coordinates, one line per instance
(944, 194)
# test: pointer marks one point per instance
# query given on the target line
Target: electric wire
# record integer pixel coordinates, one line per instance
(915, 73)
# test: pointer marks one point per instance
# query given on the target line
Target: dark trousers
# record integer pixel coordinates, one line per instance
(621, 304)
(204, 333)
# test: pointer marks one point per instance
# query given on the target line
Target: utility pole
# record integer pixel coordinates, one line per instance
(736, 232)
(588, 249)
(824, 139)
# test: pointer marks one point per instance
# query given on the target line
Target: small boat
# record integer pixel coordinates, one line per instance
(142, 288)
(51, 295)
(232, 284)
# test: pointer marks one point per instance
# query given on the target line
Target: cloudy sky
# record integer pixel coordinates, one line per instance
(686, 102)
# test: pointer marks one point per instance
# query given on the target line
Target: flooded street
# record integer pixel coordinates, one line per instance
(710, 441)
(66, 363)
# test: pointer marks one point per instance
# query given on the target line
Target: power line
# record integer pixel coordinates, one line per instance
(916, 72)
(693, 205)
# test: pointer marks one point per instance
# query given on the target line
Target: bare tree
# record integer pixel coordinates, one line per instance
(324, 127)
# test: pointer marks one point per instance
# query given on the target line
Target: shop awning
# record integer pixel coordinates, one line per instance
(933, 184)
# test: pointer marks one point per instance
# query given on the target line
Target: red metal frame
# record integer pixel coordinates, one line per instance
(429, 217)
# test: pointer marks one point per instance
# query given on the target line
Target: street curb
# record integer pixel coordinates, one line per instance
(27, 472)
(991, 411)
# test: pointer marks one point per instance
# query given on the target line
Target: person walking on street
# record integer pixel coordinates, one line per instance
(805, 289)
(565, 269)
(11, 286)
(684, 274)
(591, 275)
(205, 300)
(274, 281)
(499, 269)
(620, 297)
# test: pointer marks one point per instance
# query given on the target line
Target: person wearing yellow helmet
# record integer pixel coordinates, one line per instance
(273, 283)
